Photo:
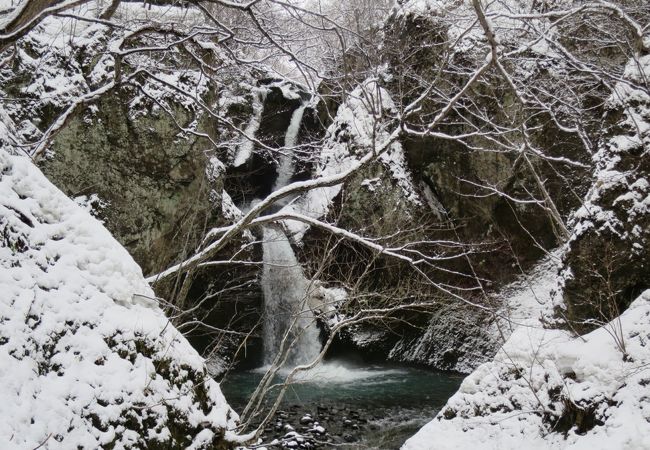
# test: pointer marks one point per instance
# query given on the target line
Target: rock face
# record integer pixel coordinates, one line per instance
(159, 189)
(574, 384)
(456, 338)
(149, 163)
(481, 191)
(254, 177)
(437, 193)
(383, 200)
(480, 182)
(87, 357)
(607, 264)
(155, 188)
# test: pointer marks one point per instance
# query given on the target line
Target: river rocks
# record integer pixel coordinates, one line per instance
(323, 426)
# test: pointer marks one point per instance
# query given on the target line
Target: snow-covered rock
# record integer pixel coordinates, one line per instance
(148, 156)
(551, 389)
(359, 127)
(608, 262)
(460, 338)
(149, 148)
(87, 358)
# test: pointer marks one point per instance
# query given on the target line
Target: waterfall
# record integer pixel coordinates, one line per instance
(247, 146)
(286, 301)
(286, 290)
(286, 160)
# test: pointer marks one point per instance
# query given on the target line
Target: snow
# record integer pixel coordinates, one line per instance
(228, 208)
(85, 351)
(354, 133)
(524, 390)
(612, 176)
(531, 300)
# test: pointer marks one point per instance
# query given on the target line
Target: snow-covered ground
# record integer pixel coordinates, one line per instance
(550, 389)
(87, 358)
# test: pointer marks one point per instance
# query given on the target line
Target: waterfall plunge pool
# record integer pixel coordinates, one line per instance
(360, 406)
(337, 404)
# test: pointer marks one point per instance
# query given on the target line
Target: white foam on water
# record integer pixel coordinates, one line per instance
(342, 373)
(336, 372)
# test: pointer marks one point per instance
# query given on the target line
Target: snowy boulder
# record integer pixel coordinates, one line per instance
(87, 358)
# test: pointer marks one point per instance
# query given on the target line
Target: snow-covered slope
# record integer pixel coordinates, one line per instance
(87, 359)
(550, 389)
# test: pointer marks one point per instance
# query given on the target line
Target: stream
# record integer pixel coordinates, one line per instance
(350, 405)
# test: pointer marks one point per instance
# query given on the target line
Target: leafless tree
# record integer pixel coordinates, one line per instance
(493, 80)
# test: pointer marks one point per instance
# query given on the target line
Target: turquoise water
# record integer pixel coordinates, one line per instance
(390, 402)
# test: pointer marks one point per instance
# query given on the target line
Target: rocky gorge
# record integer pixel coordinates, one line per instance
(512, 196)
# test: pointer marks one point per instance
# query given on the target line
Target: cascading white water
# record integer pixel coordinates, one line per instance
(286, 164)
(286, 305)
(287, 315)
(245, 150)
